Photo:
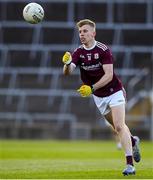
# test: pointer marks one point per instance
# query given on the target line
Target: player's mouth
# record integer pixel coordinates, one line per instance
(82, 39)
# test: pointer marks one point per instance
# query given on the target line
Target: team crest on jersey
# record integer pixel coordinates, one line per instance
(96, 56)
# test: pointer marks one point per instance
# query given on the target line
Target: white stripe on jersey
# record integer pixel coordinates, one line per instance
(102, 46)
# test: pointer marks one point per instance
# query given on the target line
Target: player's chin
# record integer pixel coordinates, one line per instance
(83, 41)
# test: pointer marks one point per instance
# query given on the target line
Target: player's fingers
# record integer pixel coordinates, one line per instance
(82, 88)
(67, 52)
(81, 93)
(78, 90)
(67, 55)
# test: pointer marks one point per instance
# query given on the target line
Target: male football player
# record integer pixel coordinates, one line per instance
(99, 80)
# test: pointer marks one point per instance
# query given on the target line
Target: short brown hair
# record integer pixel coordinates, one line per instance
(86, 22)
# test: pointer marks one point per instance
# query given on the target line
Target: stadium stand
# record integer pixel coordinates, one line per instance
(32, 87)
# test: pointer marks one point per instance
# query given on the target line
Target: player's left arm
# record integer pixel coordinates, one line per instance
(106, 78)
(86, 90)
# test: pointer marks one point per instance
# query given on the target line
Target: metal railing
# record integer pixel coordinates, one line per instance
(137, 76)
(60, 119)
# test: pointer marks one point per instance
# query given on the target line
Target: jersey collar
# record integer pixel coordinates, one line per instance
(90, 47)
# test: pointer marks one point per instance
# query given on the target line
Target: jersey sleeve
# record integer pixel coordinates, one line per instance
(107, 57)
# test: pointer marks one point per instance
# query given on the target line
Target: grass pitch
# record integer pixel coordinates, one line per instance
(24, 159)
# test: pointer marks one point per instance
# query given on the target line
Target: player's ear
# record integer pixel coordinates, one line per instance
(94, 33)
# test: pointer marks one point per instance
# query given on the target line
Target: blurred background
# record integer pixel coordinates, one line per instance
(38, 102)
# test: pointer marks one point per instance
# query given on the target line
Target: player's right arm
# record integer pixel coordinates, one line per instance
(68, 65)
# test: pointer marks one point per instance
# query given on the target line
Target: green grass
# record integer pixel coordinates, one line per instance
(69, 160)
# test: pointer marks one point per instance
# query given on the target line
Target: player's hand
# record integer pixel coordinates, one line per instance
(85, 90)
(67, 58)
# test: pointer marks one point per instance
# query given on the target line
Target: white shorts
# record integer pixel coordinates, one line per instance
(105, 103)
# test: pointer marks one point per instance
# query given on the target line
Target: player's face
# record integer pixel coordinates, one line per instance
(87, 35)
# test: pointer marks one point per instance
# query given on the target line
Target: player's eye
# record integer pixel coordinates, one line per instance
(85, 31)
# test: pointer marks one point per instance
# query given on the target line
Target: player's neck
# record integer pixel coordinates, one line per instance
(90, 45)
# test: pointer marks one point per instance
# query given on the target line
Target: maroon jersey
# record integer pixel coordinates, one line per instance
(90, 62)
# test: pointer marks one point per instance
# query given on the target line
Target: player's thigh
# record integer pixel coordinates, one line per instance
(118, 115)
